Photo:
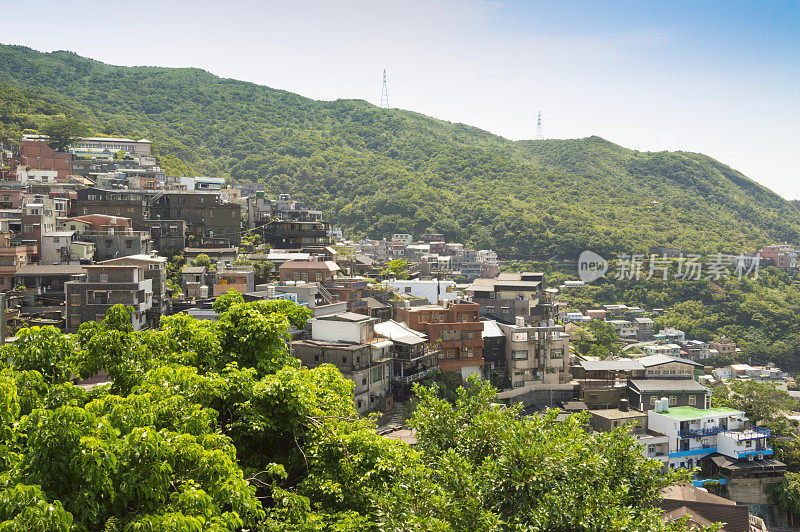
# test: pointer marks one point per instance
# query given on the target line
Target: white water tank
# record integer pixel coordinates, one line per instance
(520, 321)
(203, 292)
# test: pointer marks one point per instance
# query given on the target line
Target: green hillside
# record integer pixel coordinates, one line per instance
(379, 171)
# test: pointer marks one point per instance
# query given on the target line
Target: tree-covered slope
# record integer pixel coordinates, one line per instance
(380, 171)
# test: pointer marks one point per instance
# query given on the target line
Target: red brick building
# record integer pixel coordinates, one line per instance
(458, 329)
(38, 155)
(309, 271)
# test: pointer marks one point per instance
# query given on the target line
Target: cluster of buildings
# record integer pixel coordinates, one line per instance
(90, 228)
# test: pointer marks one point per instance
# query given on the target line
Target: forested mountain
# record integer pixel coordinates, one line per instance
(380, 171)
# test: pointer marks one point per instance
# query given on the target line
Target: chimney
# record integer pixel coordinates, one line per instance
(623, 405)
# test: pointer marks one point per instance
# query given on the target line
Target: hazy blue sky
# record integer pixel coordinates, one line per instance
(720, 78)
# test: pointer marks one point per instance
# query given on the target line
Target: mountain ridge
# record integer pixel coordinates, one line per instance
(379, 171)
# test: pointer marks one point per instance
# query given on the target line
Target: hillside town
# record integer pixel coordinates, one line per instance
(101, 224)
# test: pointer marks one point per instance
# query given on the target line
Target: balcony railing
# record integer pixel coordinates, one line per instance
(693, 451)
(695, 433)
(767, 451)
(407, 379)
(749, 432)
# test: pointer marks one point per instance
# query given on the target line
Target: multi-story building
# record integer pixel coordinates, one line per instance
(114, 203)
(455, 327)
(414, 359)
(36, 154)
(623, 328)
(102, 286)
(512, 295)
(724, 347)
(694, 434)
(350, 289)
(169, 236)
(117, 242)
(672, 350)
(494, 354)
(643, 394)
(644, 329)
(784, 256)
(38, 218)
(433, 290)
(63, 247)
(39, 289)
(604, 383)
(141, 147)
(14, 254)
(348, 341)
(155, 269)
(696, 350)
(206, 214)
(309, 271)
(239, 278)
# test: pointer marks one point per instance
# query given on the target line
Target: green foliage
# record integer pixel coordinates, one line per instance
(63, 132)
(598, 338)
(214, 426)
(378, 172)
(202, 260)
(43, 349)
(396, 268)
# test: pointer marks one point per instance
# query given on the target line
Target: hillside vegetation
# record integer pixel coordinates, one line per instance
(379, 171)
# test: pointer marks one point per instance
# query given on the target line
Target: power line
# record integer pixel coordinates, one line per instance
(384, 92)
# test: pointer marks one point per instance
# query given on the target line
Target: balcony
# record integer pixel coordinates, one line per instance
(408, 379)
(766, 451)
(695, 433)
(693, 451)
(749, 432)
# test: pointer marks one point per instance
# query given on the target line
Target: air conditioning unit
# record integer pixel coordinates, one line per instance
(760, 456)
(750, 458)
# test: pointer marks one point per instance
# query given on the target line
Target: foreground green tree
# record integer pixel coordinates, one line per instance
(214, 426)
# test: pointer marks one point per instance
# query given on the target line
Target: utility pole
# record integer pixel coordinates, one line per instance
(2, 318)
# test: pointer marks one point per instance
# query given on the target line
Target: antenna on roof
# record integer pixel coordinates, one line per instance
(539, 132)
(384, 92)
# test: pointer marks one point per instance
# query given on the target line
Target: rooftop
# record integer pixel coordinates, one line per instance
(347, 316)
(667, 385)
(688, 412)
(657, 360)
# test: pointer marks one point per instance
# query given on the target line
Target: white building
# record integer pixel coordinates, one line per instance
(671, 350)
(402, 238)
(433, 290)
(693, 434)
(623, 328)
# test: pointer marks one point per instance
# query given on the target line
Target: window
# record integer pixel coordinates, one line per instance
(129, 244)
(451, 353)
(344, 360)
(408, 289)
(692, 400)
(673, 400)
(653, 400)
(519, 355)
(103, 277)
(557, 353)
(377, 374)
(748, 443)
(364, 381)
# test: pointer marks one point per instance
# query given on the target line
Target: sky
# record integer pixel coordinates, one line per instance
(716, 77)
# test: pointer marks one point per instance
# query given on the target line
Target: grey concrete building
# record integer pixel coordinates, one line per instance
(102, 286)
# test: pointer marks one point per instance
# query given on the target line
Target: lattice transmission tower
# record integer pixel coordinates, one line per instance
(384, 92)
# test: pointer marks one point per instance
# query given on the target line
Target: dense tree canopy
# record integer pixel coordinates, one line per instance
(214, 426)
(379, 171)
